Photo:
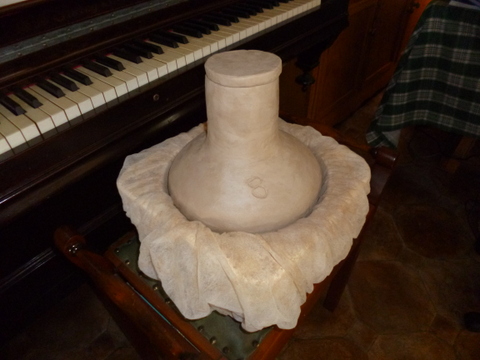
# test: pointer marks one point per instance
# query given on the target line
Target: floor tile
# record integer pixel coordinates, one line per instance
(382, 240)
(432, 231)
(390, 298)
(329, 348)
(414, 346)
(467, 346)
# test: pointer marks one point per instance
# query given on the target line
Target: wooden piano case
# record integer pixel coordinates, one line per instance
(156, 327)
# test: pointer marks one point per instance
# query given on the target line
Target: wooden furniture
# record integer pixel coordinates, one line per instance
(70, 177)
(161, 329)
(361, 61)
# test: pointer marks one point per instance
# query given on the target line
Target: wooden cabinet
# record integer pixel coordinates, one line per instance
(331, 98)
(359, 63)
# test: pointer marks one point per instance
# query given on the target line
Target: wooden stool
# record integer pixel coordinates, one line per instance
(158, 330)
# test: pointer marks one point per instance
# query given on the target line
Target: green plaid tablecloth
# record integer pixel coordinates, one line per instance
(437, 81)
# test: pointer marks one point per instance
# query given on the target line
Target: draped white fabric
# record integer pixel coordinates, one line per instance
(258, 279)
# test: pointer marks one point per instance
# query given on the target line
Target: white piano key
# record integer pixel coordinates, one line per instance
(195, 50)
(13, 135)
(129, 80)
(147, 68)
(71, 109)
(310, 4)
(240, 28)
(150, 67)
(107, 91)
(254, 25)
(130, 68)
(281, 14)
(196, 45)
(187, 54)
(219, 39)
(43, 121)
(95, 95)
(204, 45)
(227, 35)
(297, 7)
(274, 15)
(178, 56)
(234, 34)
(83, 102)
(305, 5)
(260, 20)
(27, 127)
(170, 60)
(293, 8)
(162, 68)
(5, 150)
(119, 86)
(207, 40)
(270, 17)
(57, 114)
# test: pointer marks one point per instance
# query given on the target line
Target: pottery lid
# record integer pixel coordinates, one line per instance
(243, 68)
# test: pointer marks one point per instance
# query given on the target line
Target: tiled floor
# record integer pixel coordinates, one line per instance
(416, 276)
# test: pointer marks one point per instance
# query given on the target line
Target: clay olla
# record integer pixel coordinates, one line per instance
(244, 173)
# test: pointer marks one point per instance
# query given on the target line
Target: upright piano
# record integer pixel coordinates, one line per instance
(84, 84)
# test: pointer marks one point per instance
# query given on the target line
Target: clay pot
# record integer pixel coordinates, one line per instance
(243, 173)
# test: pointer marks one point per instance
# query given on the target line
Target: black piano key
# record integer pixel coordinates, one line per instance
(262, 4)
(75, 75)
(235, 12)
(218, 19)
(127, 55)
(185, 30)
(230, 17)
(242, 7)
(27, 97)
(202, 28)
(109, 62)
(147, 54)
(274, 2)
(209, 24)
(99, 69)
(266, 4)
(50, 88)
(172, 36)
(62, 80)
(148, 46)
(11, 105)
(163, 40)
(252, 7)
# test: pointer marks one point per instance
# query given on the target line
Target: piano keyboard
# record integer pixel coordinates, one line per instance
(50, 105)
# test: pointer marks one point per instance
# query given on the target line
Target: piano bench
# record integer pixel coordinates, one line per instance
(157, 329)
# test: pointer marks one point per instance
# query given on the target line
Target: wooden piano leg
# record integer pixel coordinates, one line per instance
(158, 332)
